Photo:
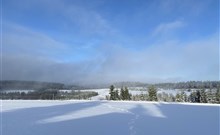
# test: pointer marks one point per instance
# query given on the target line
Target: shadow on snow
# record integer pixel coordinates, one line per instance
(180, 120)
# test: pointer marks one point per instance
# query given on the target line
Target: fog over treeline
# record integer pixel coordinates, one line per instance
(34, 85)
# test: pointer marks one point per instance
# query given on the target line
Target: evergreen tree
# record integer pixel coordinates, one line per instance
(117, 97)
(217, 96)
(198, 96)
(192, 97)
(203, 97)
(122, 94)
(178, 97)
(127, 95)
(112, 92)
(210, 96)
(152, 93)
(183, 97)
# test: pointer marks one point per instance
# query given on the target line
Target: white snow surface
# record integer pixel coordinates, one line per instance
(80, 117)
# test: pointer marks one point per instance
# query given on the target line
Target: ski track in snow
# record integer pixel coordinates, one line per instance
(132, 124)
(132, 121)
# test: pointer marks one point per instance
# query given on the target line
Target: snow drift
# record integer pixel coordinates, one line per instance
(107, 118)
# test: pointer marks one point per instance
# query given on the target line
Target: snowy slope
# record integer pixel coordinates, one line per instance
(108, 118)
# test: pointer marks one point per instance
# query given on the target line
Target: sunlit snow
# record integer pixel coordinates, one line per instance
(81, 117)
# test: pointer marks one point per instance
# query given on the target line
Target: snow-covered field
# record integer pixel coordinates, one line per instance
(39, 117)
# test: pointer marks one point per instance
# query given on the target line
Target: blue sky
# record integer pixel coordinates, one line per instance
(99, 41)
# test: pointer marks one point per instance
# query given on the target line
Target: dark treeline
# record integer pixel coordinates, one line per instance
(34, 85)
(190, 85)
(178, 85)
(29, 85)
(47, 95)
(130, 84)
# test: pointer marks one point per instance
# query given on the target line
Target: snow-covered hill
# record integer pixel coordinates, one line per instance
(107, 118)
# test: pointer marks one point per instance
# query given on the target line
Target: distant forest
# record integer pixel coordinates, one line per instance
(29, 85)
(34, 85)
(178, 85)
(190, 85)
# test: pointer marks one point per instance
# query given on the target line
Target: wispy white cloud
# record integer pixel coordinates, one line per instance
(71, 15)
(166, 28)
(18, 39)
(89, 21)
(192, 7)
